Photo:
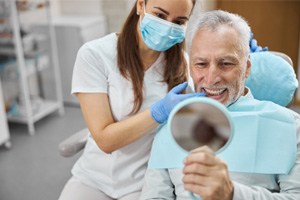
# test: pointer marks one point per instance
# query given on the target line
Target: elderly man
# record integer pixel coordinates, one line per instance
(219, 65)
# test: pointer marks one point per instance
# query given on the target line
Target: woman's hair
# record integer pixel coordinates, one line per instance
(131, 66)
(212, 20)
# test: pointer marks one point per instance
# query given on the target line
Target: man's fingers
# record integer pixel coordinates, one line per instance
(202, 149)
(197, 169)
(202, 155)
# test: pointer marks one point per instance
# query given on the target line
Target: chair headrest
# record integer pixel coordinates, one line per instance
(271, 78)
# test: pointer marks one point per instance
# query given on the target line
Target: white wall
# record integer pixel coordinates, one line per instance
(81, 7)
(208, 5)
(115, 11)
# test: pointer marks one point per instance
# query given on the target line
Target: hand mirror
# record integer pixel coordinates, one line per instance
(201, 121)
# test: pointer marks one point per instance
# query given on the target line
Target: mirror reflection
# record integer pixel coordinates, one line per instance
(201, 123)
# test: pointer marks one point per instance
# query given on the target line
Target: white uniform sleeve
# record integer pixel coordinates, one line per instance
(289, 184)
(89, 73)
(157, 185)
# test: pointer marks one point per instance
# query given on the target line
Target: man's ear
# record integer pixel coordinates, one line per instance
(248, 67)
(140, 7)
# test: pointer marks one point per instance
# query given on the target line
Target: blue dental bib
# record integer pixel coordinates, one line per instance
(264, 140)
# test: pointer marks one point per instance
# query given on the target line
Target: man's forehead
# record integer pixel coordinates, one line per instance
(230, 57)
(223, 33)
(219, 44)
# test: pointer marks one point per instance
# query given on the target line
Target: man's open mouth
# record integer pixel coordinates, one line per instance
(213, 92)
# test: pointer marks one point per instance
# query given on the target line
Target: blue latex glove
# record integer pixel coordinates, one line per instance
(253, 45)
(161, 109)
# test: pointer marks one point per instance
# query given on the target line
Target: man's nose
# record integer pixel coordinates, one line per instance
(213, 75)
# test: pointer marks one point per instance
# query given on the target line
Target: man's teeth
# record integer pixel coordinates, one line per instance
(215, 92)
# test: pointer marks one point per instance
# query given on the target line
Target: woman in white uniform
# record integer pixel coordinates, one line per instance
(121, 81)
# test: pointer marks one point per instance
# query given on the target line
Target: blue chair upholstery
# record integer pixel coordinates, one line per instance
(272, 78)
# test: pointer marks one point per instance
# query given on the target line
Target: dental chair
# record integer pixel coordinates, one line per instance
(272, 78)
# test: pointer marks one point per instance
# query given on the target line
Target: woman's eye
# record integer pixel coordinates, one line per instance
(179, 22)
(159, 15)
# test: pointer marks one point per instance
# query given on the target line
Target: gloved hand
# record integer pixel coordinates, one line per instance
(161, 109)
(254, 47)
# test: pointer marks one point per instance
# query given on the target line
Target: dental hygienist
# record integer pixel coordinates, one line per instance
(126, 84)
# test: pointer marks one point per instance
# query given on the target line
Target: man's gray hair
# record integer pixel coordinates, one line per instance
(212, 20)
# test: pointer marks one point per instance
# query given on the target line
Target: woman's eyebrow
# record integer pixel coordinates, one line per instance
(186, 18)
(167, 13)
(161, 9)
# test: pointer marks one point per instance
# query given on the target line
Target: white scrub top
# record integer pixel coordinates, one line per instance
(96, 71)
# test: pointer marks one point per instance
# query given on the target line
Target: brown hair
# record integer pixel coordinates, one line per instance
(131, 66)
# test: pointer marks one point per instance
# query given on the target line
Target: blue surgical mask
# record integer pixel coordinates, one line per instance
(159, 34)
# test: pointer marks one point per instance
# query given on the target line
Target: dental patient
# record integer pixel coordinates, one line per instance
(262, 162)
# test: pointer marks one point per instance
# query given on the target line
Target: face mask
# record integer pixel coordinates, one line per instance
(159, 34)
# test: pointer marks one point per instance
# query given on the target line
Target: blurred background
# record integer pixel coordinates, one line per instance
(39, 40)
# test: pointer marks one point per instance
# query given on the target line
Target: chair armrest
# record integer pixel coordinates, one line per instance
(74, 143)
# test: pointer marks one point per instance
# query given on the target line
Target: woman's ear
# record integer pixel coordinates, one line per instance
(139, 6)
